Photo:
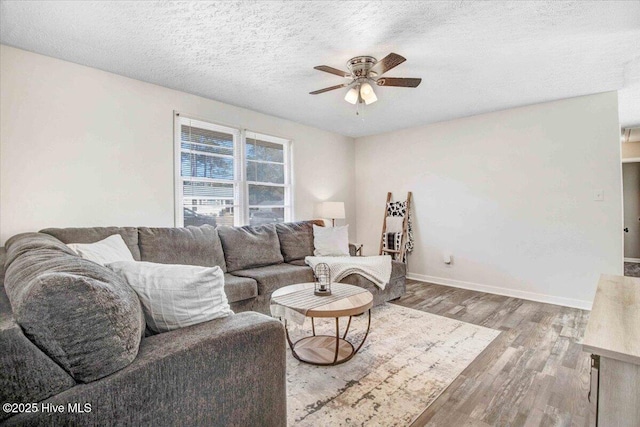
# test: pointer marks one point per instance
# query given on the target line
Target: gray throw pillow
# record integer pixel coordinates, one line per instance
(250, 247)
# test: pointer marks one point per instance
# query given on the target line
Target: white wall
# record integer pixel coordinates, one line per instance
(631, 150)
(510, 194)
(83, 147)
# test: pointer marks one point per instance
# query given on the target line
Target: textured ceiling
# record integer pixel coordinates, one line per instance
(473, 57)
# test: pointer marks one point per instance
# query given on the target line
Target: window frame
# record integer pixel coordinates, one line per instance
(287, 184)
(241, 206)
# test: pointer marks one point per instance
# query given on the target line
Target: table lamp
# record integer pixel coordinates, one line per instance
(333, 210)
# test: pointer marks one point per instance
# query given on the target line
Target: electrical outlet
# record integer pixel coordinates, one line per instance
(598, 195)
(447, 258)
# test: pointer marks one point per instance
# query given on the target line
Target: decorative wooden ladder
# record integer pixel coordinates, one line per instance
(397, 254)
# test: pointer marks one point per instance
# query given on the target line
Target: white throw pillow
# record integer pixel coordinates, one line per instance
(111, 249)
(175, 296)
(331, 241)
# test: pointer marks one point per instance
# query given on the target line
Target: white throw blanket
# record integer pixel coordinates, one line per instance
(375, 268)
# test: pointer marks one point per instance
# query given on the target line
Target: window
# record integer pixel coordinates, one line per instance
(225, 176)
(267, 178)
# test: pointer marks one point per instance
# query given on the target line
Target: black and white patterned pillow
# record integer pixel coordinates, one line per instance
(397, 209)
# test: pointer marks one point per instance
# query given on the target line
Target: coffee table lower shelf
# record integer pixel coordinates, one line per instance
(326, 350)
(321, 350)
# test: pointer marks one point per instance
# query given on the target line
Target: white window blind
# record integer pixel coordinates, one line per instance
(228, 177)
(207, 187)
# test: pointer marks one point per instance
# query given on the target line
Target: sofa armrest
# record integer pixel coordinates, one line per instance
(224, 372)
(355, 249)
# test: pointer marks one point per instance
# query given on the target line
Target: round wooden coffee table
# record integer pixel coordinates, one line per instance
(344, 301)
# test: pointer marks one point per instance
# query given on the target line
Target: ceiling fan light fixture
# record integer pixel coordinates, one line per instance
(352, 95)
(364, 70)
(367, 93)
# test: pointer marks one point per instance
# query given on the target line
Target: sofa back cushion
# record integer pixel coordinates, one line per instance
(95, 234)
(250, 247)
(189, 246)
(79, 313)
(296, 239)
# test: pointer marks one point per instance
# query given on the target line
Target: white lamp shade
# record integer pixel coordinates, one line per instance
(367, 93)
(333, 210)
(352, 96)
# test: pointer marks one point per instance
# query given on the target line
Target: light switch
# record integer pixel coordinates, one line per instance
(598, 195)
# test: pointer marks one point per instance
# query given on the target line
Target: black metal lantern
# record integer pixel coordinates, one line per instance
(323, 280)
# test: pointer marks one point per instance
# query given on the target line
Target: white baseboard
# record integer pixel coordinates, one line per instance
(631, 160)
(636, 260)
(532, 296)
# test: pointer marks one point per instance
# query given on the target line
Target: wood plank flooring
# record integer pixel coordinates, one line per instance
(632, 269)
(533, 374)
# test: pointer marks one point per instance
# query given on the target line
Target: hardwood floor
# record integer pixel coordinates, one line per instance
(533, 374)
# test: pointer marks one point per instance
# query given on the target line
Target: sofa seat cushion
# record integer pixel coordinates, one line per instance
(239, 288)
(28, 375)
(296, 239)
(79, 313)
(95, 234)
(394, 289)
(273, 277)
(299, 262)
(188, 246)
(250, 247)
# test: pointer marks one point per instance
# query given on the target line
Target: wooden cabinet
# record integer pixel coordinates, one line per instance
(613, 339)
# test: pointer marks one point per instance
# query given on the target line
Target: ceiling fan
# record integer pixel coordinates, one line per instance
(362, 71)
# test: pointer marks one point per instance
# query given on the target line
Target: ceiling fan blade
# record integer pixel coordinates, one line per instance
(327, 89)
(332, 70)
(396, 81)
(388, 62)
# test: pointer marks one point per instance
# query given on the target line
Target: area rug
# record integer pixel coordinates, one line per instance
(407, 361)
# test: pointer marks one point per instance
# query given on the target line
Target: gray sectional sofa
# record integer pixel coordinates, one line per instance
(72, 333)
